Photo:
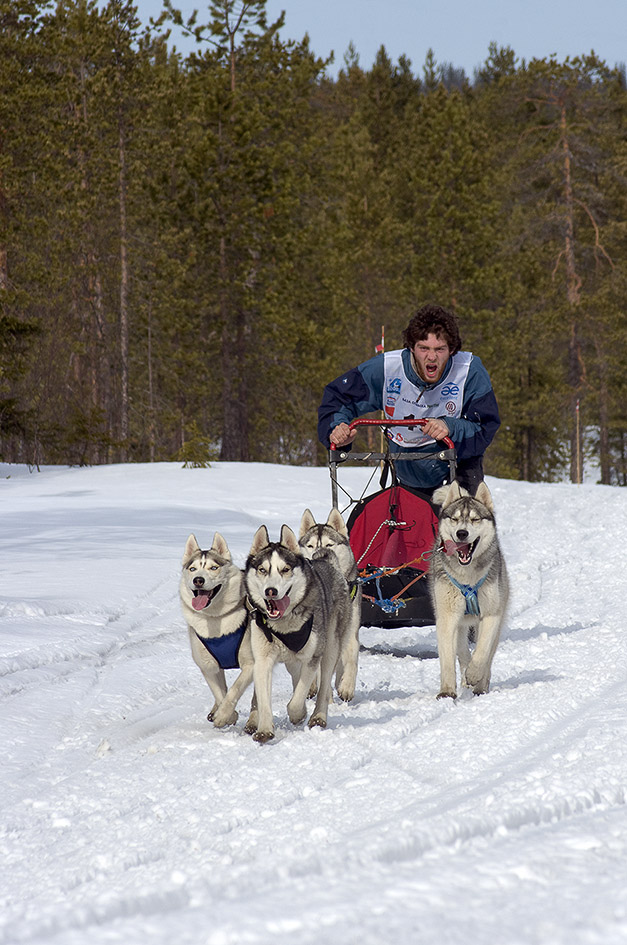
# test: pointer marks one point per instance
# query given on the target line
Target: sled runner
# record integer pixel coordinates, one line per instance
(392, 533)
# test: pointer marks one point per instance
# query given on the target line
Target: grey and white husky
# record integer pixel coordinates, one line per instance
(301, 614)
(334, 536)
(469, 587)
(213, 598)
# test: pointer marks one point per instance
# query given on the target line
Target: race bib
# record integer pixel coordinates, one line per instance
(404, 400)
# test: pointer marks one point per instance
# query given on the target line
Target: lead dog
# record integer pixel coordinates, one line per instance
(301, 611)
(213, 599)
(469, 587)
(334, 536)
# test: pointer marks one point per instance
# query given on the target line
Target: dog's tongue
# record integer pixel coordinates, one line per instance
(452, 547)
(277, 606)
(201, 600)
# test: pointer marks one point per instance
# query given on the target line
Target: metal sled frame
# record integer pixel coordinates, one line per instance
(337, 457)
(395, 610)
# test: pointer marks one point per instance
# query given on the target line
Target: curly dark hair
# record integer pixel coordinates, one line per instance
(433, 320)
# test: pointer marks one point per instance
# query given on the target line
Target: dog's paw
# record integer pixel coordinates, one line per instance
(223, 718)
(346, 688)
(446, 694)
(263, 737)
(317, 721)
(475, 679)
(297, 715)
(346, 693)
(252, 723)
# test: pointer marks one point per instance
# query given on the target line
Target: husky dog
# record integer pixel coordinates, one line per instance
(214, 605)
(334, 535)
(302, 611)
(469, 587)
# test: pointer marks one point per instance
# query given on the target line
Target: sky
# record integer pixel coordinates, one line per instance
(128, 819)
(458, 31)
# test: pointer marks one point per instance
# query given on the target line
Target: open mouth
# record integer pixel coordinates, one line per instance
(203, 597)
(276, 606)
(431, 371)
(463, 549)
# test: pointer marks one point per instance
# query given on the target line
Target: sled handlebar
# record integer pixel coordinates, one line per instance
(406, 422)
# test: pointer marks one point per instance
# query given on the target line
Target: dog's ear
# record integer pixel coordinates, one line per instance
(288, 539)
(260, 540)
(484, 496)
(440, 494)
(220, 546)
(306, 522)
(453, 493)
(191, 547)
(336, 521)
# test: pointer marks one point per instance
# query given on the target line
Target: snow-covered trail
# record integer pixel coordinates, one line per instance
(126, 817)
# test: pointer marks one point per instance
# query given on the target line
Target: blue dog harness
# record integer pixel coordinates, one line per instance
(225, 649)
(470, 593)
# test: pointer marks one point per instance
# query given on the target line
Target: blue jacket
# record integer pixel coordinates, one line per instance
(360, 391)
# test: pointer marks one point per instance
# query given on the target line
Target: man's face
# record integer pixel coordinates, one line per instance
(431, 355)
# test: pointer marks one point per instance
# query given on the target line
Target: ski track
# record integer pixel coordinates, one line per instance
(128, 818)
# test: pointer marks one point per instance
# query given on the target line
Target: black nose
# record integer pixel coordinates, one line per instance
(272, 592)
(199, 581)
(462, 534)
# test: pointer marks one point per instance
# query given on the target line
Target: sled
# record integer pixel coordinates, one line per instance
(392, 533)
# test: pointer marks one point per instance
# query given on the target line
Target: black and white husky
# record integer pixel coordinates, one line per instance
(213, 598)
(301, 614)
(469, 587)
(334, 536)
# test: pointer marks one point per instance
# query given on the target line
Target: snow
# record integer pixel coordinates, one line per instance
(127, 818)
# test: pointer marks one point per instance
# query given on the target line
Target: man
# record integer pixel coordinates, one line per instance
(432, 379)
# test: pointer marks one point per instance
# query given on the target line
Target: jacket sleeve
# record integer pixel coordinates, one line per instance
(473, 432)
(350, 395)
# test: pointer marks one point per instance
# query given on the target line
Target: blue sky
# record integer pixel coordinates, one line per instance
(458, 31)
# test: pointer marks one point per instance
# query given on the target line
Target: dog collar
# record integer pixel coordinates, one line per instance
(293, 641)
(225, 649)
(470, 593)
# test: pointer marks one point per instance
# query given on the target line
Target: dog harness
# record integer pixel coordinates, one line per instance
(293, 641)
(225, 649)
(470, 593)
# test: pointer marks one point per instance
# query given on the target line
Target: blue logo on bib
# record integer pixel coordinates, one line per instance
(451, 390)
(394, 386)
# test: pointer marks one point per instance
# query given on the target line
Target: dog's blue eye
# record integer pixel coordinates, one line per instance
(214, 567)
(192, 569)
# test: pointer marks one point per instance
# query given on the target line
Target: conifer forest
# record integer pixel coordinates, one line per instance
(192, 246)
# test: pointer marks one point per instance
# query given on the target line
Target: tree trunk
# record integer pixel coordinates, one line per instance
(124, 372)
(573, 296)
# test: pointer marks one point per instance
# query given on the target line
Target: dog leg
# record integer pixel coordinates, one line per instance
(446, 632)
(463, 650)
(330, 659)
(217, 683)
(296, 709)
(477, 676)
(262, 675)
(347, 663)
(226, 714)
(253, 719)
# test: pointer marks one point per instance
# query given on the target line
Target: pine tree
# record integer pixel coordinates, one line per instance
(557, 161)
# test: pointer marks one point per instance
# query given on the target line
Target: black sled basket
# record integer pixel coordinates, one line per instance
(392, 534)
